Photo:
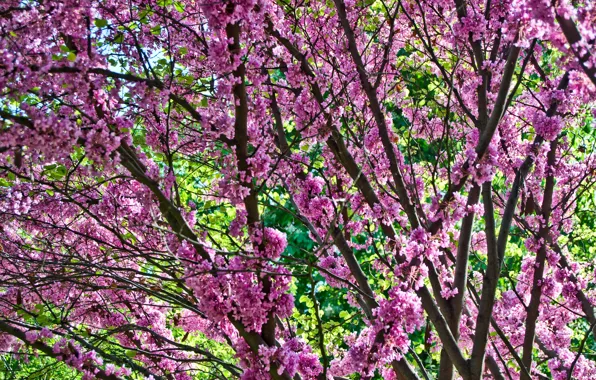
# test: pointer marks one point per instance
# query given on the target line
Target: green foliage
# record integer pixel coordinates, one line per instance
(34, 367)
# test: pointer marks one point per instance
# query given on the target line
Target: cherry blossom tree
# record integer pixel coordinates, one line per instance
(395, 189)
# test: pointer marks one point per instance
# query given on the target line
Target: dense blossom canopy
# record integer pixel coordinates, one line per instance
(297, 189)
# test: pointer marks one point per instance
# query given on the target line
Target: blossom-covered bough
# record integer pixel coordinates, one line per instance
(297, 189)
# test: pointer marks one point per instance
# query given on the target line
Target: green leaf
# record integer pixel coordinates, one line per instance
(43, 320)
(143, 16)
(164, 3)
(101, 23)
(119, 38)
(156, 30)
(58, 172)
(130, 353)
(179, 6)
(130, 237)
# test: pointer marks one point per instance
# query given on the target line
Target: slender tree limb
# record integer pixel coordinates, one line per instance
(378, 115)
(489, 287)
(534, 306)
(460, 279)
(573, 37)
(47, 350)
